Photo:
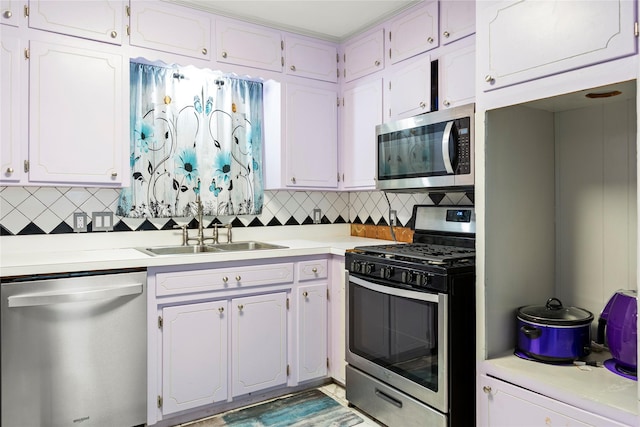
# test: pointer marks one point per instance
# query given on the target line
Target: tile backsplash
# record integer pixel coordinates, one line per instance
(50, 210)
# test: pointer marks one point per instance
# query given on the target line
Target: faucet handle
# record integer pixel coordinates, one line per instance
(228, 227)
(185, 233)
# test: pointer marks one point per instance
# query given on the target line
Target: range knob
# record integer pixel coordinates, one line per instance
(386, 272)
(406, 277)
(356, 266)
(423, 280)
(369, 268)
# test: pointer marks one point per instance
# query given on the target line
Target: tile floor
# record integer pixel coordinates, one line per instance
(333, 390)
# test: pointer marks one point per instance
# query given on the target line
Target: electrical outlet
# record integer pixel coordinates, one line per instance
(79, 222)
(393, 217)
(317, 216)
(102, 221)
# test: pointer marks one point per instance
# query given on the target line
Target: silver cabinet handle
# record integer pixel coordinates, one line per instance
(114, 34)
(238, 278)
(446, 34)
(446, 103)
(430, 39)
(293, 180)
(9, 171)
(114, 174)
(314, 270)
(292, 68)
(423, 105)
(7, 14)
(305, 294)
(489, 79)
(204, 51)
(377, 63)
(240, 307)
(48, 298)
(221, 310)
(224, 54)
(486, 389)
(225, 279)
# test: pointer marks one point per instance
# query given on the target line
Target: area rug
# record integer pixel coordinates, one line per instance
(309, 408)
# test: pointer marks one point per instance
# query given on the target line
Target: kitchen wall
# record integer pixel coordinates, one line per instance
(49, 210)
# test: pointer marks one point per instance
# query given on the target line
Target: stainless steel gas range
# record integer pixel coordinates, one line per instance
(411, 323)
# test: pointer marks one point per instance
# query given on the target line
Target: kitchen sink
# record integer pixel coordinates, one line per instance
(199, 249)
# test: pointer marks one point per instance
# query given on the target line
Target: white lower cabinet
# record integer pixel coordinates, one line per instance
(311, 301)
(194, 350)
(258, 342)
(502, 404)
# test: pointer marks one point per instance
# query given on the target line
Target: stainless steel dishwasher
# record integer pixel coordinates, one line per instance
(74, 350)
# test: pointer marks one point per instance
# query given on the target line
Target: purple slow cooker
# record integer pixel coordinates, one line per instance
(554, 333)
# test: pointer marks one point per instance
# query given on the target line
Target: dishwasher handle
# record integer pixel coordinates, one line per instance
(48, 298)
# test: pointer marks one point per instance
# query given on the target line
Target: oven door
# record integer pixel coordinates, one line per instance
(399, 336)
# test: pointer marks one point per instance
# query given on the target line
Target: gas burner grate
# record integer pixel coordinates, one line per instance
(422, 252)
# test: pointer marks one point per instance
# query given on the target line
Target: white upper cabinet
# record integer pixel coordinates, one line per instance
(171, 28)
(311, 154)
(249, 45)
(95, 20)
(409, 89)
(363, 55)
(309, 58)
(9, 12)
(361, 112)
(526, 39)
(457, 19)
(78, 131)
(12, 110)
(414, 32)
(456, 77)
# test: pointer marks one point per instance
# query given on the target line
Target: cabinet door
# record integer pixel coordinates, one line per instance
(504, 405)
(311, 137)
(250, 45)
(9, 12)
(525, 40)
(194, 355)
(361, 113)
(457, 19)
(414, 32)
(363, 55)
(78, 131)
(312, 59)
(410, 90)
(170, 28)
(456, 77)
(311, 301)
(12, 111)
(100, 20)
(336, 321)
(258, 342)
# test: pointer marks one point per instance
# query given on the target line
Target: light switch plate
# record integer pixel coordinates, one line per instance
(317, 216)
(102, 221)
(393, 217)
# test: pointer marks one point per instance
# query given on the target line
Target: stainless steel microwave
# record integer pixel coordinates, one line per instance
(427, 152)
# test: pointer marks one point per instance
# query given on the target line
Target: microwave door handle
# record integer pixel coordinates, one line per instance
(445, 147)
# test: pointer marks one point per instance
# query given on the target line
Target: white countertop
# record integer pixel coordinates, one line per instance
(49, 254)
(593, 389)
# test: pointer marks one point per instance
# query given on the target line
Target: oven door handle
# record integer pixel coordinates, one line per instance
(384, 396)
(404, 293)
(446, 156)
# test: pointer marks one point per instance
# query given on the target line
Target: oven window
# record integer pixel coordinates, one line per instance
(399, 334)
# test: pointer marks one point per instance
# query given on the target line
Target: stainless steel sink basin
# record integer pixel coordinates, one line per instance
(246, 246)
(199, 249)
(179, 250)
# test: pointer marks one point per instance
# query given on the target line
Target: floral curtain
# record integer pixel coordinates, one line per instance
(193, 132)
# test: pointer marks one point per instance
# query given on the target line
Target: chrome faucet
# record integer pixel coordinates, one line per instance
(200, 239)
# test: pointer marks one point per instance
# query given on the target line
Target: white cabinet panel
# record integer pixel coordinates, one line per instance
(12, 109)
(456, 77)
(312, 59)
(501, 404)
(100, 20)
(410, 89)
(364, 55)
(244, 44)
(258, 342)
(311, 137)
(170, 28)
(361, 113)
(457, 19)
(312, 270)
(10, 12)
(312, 331)
(78, 130)
(525, 40)
(414, 32)
(194, 355)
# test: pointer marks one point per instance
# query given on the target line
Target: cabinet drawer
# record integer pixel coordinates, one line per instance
(223, 278)
(312, 270)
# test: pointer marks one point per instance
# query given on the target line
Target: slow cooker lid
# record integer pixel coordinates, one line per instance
(554, 313)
